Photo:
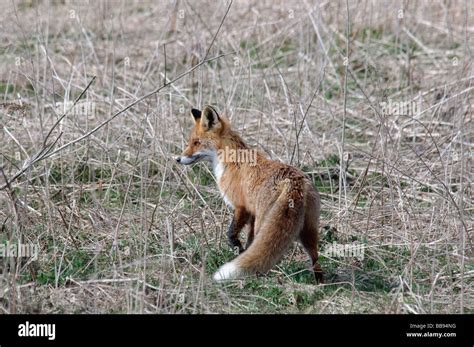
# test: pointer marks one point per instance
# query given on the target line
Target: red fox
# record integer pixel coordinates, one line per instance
(276, 200)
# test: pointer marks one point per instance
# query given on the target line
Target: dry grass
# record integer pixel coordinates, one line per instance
(121, 228)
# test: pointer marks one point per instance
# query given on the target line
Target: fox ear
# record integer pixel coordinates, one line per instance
(210, 119)
(196, 114)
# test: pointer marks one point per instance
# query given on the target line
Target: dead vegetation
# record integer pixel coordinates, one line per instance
(378, 112)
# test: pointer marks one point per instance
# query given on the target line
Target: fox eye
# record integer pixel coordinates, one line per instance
(197, 142)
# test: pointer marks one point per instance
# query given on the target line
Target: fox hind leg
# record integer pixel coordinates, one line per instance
(309, 233)
(309, 240)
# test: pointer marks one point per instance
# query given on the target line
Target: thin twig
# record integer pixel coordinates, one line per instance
(48, 152)
(342, 171)
(218, 29)
(46, 149)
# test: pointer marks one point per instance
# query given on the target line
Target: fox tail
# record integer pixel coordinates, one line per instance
(280, 226)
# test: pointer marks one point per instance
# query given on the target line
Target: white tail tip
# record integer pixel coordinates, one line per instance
(227, 271)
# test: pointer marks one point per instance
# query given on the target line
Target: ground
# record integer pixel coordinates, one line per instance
(373, 100)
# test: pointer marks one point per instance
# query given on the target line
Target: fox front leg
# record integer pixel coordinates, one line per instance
(241, 218)
(251, 232)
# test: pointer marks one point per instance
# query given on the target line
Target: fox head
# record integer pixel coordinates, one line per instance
(206, 138)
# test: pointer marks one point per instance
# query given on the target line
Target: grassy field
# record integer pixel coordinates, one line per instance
(372, 99)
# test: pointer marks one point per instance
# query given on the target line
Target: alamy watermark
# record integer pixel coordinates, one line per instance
(19, 250)
(81, 108)
(241, 155)
(400, 108)
(351, 250)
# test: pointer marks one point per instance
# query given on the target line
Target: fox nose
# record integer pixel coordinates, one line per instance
(178, 159)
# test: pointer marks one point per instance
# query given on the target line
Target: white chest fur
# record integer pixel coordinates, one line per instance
(219, 169)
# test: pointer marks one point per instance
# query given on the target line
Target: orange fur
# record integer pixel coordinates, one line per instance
(277, 200)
